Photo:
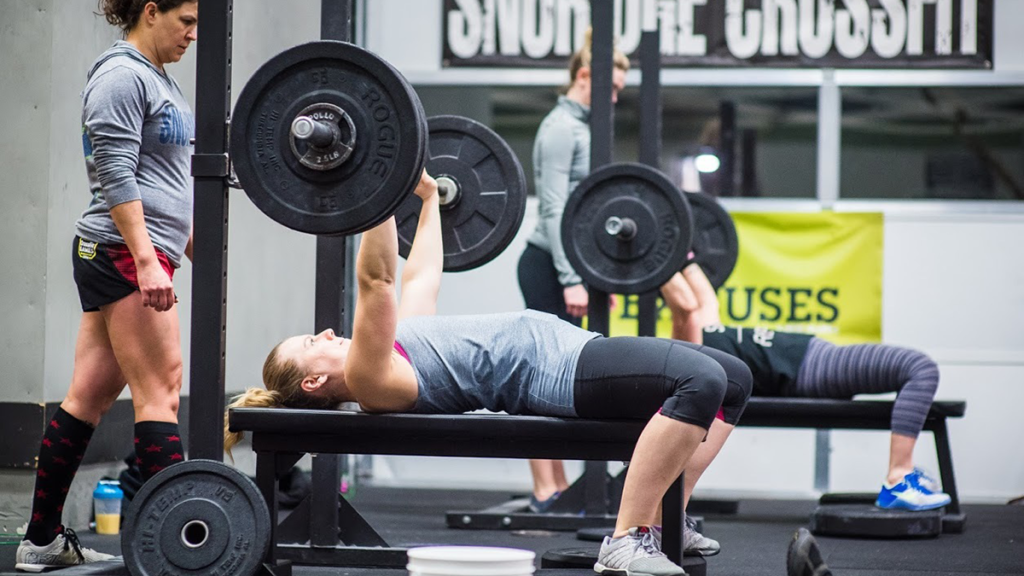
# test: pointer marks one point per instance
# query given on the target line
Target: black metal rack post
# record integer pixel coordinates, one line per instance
(333, 284)
(602, 125)
(210, 168)
(650, 148)
(727, 149)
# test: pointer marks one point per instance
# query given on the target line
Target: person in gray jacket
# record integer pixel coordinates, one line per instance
(561, 159)
(137, 128)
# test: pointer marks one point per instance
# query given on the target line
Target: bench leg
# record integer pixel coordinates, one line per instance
(945, 456)
(672, 522)
(266, 481)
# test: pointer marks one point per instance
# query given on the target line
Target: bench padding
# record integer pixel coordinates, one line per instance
(500, 435)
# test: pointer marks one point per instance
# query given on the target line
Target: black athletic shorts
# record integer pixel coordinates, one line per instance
(105, 273)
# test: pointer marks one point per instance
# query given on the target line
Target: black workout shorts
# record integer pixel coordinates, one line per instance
(105, 273)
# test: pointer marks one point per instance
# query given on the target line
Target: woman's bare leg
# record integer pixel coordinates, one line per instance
(663, 450)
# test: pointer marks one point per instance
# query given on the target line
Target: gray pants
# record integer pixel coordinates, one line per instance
(830, 371)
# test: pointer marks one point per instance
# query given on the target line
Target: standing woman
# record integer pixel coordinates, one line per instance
(561, 159)
(137, 130)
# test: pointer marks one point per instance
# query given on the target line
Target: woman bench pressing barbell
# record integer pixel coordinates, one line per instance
(402, 358)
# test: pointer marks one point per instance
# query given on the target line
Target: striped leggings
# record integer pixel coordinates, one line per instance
(830, 371)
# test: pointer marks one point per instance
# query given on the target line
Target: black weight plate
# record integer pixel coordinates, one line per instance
(485, 216)
(715, 244)
(867, 520)
(663, 231)
(586, 557)
(196, 517)
(388, 152)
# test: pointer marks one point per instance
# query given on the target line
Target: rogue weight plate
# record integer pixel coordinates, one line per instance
(482, 189)
(626, 229)
(867, 520)
(715, 244)
(196, 517)
(327, 138)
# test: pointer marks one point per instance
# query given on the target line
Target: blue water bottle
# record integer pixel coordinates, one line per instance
(106, 500)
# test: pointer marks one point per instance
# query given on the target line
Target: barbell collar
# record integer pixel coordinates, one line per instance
(315, 132)
(622, 228)
(447, 190)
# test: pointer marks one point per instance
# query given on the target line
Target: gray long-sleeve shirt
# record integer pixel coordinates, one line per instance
(136, 133)
(561, 159)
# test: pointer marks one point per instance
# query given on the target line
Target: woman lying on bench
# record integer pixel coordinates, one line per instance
(402, 358)
(800, 365)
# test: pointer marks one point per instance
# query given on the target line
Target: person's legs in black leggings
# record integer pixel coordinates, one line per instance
(634, 377)
(538, 282)
(627, 377)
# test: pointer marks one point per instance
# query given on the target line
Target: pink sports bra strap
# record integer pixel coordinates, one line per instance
(401, 351)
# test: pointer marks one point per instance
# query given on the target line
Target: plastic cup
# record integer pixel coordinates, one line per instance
(106, 501)
(470, 561)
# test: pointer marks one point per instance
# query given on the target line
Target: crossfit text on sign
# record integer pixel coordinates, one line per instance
(777, 33)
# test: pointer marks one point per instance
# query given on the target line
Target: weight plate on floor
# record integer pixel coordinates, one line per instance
(196, 517)
(715, 244)
(626, 229)
(344, 186)
(482, 189)
(867, 520)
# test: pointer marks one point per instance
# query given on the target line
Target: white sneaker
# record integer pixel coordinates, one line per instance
(696, 543)
(635, 554)
(64, 551)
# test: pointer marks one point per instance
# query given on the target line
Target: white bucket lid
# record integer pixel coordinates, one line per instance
(471, 561)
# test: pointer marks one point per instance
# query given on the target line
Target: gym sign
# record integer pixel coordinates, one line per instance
(774, 33)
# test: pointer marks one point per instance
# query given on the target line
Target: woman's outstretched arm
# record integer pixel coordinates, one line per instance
(421, 277)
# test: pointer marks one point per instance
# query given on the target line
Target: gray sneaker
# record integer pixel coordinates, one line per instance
(696, 543)
(635, 554)
(64, 551)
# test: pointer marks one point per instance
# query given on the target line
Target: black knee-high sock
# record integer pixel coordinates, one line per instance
(63, 446)
(157, 446)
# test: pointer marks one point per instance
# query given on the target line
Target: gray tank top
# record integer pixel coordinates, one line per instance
(518, 362)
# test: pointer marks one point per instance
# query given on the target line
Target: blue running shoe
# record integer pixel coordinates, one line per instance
(927, 481)
(909, 494)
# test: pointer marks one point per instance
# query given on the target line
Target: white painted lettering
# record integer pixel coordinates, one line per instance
(915, 26)
(627, 25)
(968, 26)
(573, 19)
(889, 28)
(538, 27)
(742, 29)
(852, 27)
(944, 27)
(688, 43)
(465, 26)
(508, 25)
(816, 38)
(489, 44)
(780, 23)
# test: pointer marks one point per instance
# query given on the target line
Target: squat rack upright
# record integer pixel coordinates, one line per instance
(211, 169)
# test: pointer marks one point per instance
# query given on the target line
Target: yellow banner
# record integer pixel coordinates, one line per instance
(818, 273)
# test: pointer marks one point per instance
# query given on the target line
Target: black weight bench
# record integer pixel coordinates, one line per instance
(761, 411)
(863, 415)
(326, 530)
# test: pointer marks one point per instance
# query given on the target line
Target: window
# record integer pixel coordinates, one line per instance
(937, 143)
(775, 136)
